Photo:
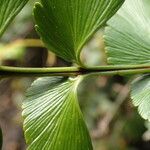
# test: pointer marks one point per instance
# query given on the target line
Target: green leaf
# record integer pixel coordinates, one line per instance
(53, 120)
(1, 138)
(66, 25)
(128, 35)
(8, 10)
(141, 95)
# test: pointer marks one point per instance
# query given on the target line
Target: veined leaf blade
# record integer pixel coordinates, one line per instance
(53, 120)
(65, 26)
(140, 94)
(127, 35)
(8, 10)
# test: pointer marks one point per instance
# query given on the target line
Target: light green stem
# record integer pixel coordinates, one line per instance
(6, 71)
(109, 70)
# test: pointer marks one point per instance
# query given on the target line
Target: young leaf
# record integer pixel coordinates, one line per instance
(66, 25)
(128, 35)
(53, 120)
(141, 95)
(8, 10)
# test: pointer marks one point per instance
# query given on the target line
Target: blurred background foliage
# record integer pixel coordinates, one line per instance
(113, 122)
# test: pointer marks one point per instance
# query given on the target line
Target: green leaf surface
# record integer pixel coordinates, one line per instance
(53, 120)
(141, 95)
(66, 25)
(8, 10)
(128, 35)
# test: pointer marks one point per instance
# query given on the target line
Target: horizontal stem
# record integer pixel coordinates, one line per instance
(6, 71)
(122, 72)
(119, 67)
(54, 71)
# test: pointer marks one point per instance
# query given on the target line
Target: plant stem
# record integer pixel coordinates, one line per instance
(109, 70)
(119, 67)
(6, 71)
(54, 71)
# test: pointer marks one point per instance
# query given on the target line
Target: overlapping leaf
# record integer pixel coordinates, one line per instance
(8, 10)
(128, 34)
(53, 120)
(66, 25)
(141, 96)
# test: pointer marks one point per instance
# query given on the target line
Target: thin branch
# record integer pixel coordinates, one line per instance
(119, 67)
(6, 71)
(109, 70)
